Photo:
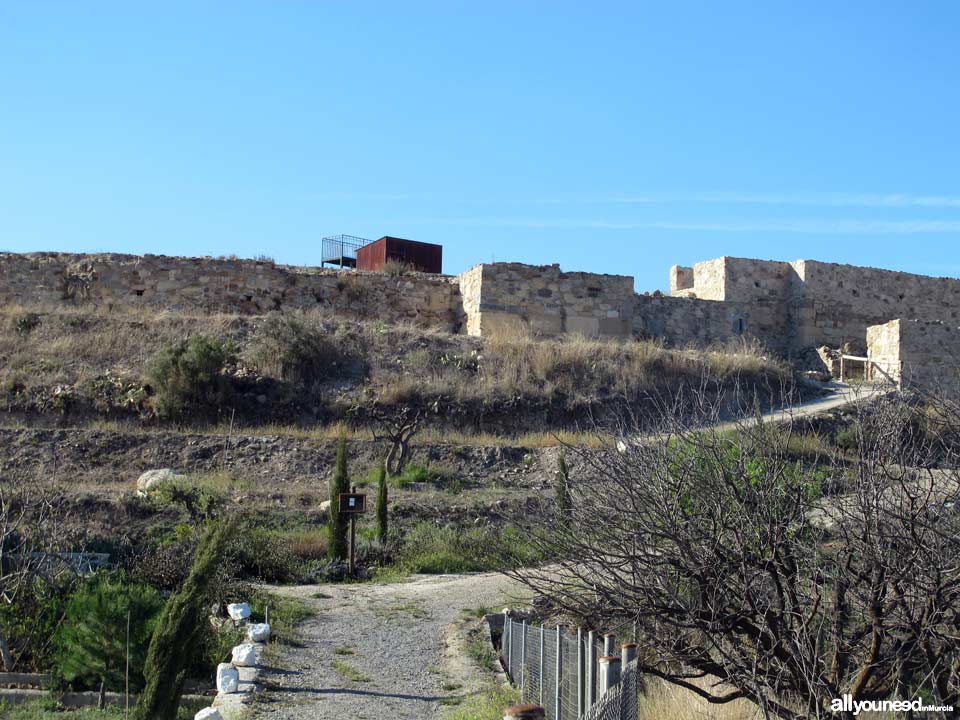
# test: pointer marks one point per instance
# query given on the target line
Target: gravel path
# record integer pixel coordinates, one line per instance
(378, 651)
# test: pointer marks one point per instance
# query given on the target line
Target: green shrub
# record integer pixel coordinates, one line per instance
(848, 437)
(30, 622)
(92, 641)
(188, 378)
(288, 348)
(488, 704)
(430, 549)
(267, 555)
(26, 324)
(436, 474)
(201, 501)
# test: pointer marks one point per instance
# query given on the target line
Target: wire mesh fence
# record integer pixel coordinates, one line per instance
(559, 670)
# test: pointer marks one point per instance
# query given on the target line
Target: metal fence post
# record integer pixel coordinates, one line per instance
(523, 658)
(630, 701)
(609, 644)
(591, 672)
(556, 688)
(609, 672)
(507, 633)
(541, 662)
(580, 669)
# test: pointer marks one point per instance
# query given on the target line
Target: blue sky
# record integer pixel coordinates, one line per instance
(604, 136)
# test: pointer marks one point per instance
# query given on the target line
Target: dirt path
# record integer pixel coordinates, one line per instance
(378, 651)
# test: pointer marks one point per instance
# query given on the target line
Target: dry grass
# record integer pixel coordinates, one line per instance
(663, 701)
(667, 702)
(309, 544)
(78, 347)
(334, 431)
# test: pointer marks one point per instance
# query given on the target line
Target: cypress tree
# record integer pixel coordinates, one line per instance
(564, 501)
(382, 504)
(180, 628)
(339, 525)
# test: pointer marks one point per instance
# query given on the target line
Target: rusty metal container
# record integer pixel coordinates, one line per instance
(423, 257)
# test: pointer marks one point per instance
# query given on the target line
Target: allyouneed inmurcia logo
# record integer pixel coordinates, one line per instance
(848, 704)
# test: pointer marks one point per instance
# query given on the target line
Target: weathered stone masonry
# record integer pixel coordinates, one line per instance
(204, 285)
(788, 306)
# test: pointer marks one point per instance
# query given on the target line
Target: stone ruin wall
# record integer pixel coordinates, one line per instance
(806, 303)
(209, 285)
(837, 303)
(918, 353)
(787, 306)
(515, 299)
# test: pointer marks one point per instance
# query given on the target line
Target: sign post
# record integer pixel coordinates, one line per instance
(353, 504)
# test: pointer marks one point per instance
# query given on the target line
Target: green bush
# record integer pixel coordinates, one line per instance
(188, 378)
(92, 641)
(848, 437)
(289, 348)
(201, 501)
(267, 555)
(26, 324)
(30, 622)
(488, 704)
(436, 474)
(431, 549)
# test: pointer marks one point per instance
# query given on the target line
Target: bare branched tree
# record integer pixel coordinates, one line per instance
(33, 533)
(757, 561)
(395, 424)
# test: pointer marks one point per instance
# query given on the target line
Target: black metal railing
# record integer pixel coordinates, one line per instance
(341, 250)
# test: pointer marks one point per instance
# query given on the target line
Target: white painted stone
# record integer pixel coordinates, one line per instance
(228, 679)
(258, 632)
(208, 714)
(238, 611)
(245, 655)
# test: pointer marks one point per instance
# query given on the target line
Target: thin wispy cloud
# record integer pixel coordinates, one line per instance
(871, 200)
(815, 200)
(808, 227)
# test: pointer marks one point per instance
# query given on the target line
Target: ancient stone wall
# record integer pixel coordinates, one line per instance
(835, 304)
(225, 285)
(512, 298)
(807, 303)
(787, 306)
(471, 288)
(918, 353)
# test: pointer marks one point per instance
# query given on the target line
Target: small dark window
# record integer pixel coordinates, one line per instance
(739, 326)
(139, 293)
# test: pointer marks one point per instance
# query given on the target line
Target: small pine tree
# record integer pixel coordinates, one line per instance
(382, 521)
(180, 629)
(564, 500)
(91, 644)
(339, 525)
